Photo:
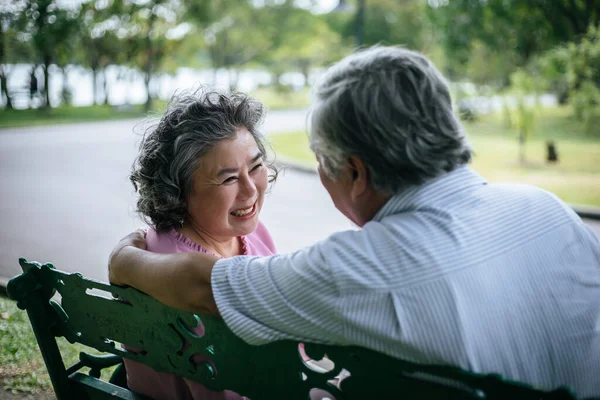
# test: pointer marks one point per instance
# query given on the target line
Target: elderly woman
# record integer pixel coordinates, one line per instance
(201, 176)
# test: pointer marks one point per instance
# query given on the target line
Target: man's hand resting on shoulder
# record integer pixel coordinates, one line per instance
(180, 280)
(115, 263)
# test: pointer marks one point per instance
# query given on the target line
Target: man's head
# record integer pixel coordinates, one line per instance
(383, 121)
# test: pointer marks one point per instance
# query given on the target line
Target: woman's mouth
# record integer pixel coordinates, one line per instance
(245, 212)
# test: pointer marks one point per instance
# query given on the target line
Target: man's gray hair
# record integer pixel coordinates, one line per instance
(391, 108)
(171, 151)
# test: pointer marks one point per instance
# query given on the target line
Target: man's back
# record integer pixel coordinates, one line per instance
(492, 278)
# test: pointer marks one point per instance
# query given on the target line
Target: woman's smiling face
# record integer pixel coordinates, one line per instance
(228, 188)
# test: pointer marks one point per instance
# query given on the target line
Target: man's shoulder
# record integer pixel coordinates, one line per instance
(524, 198)
(520, 189)
(472, 218)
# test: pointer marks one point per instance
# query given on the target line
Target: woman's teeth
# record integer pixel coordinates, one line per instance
(241, 213)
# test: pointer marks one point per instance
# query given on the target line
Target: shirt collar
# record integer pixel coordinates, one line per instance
(430, 192)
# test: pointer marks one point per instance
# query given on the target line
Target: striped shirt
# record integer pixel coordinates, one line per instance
(500, 278)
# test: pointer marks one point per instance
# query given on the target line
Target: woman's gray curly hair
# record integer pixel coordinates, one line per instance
(171, 150)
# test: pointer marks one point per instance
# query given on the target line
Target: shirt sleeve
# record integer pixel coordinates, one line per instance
(290, 296)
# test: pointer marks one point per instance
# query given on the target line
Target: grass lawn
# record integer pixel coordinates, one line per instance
(16, 118)
(575, 179)
(286, 100)
(22, 368)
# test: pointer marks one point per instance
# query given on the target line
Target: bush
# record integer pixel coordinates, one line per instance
(579, 63)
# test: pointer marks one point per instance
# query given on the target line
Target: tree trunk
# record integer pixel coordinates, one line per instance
(359, 23)
(4, 88)
(233, 80)
(305, 70)
(64, 92)
(148, 67)
(147, 78)
(4, 74)
(47, 81)
(148, 104)
(214, 78)
(104, 86)
(522, 159)
(276, 79)
(95, 84)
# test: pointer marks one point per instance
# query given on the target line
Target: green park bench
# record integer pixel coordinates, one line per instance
(91, 313)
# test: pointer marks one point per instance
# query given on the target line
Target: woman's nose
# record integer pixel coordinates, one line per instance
(248, 188)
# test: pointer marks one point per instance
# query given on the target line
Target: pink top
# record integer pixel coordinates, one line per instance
(163, 386)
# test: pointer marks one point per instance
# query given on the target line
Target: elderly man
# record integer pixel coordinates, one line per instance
(445, 269)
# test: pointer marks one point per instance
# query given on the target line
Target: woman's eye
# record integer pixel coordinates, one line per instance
(257, 167)
(231, 179)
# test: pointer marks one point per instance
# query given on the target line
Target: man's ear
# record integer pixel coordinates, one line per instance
(360, 177)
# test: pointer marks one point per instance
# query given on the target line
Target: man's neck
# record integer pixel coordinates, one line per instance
(371, 204)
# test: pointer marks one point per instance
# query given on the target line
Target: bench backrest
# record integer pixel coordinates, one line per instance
(92, 313)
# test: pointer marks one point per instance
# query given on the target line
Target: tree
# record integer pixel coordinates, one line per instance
(393, 22)
(50, 29)
(8, 34)
(276, 34)
(99, 45)
(154, 30)
(523, 117)
(317, 44)
(581, 63)
(520, 29)
(239, 36)
(389, 22)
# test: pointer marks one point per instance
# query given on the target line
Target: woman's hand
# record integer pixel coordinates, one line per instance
(115, 263)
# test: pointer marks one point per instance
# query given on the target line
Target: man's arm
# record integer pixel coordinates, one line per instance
(179, 280)
(261, 299)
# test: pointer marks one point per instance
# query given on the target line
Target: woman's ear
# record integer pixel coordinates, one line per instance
(360, 177)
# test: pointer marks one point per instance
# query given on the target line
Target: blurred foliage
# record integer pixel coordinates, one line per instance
(294, 44)
(48, 29)
(239, 38)
(524, 49)
(392, 22)
(582, 64)
(150, 37)
(487, 66)
(99, 45)
(512, 30)
(12, 50)
(523, 118)
(483, 42)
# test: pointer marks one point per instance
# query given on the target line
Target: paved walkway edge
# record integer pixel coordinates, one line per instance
(586, 211)
(3, 283)
(283, 163)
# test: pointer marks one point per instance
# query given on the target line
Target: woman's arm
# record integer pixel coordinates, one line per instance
(179, 280)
